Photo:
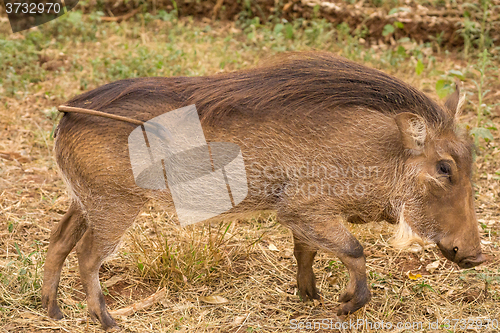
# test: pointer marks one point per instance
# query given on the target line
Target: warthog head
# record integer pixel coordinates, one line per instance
(440, 164)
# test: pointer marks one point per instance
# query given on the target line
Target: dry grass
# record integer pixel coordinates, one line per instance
(247, 261)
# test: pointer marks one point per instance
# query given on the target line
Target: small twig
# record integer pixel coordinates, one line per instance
(145, 303)
(217, 7)
(243, 323)
(43, 137)
(122, 17)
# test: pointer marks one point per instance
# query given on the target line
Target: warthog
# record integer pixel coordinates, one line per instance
(324, 140)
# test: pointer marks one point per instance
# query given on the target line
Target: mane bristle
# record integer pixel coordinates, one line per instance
(318, 81)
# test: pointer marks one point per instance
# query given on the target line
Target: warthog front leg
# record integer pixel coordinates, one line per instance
(356, 293)
(321, 232)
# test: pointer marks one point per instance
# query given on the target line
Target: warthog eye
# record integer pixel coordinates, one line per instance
(444, 168)
(455, 249)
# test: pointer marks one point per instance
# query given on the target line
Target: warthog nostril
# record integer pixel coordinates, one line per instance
(471, 262)
(455, 249)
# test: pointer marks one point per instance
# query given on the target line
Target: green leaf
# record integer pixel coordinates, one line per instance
(54, 126)
(394, 11)
(140, 265)
(456, 73)
(481, 133)
(388, 29)
(443, 88)
(19, 253)
(288, 31)
(316, 10)
(419, 68)
(398, 9)
(490, 125)
(402, 52)
(399, 25)
(278, 27)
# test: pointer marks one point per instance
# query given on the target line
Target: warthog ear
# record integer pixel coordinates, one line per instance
(413, 130)
(455, 102)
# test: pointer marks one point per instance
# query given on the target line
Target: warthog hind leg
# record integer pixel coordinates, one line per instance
(62, 240)
(306, 282)
(109, 221)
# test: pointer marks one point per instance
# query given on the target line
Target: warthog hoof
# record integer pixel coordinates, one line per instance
(107, 322)
(115, 328)
(353, 301)
(53, 309)
(308, 292)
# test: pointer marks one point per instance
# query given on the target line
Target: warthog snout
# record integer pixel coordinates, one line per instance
(459, 256)
(471, 262)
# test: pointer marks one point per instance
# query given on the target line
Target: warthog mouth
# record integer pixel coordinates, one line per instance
(466, 262)
(472, 261)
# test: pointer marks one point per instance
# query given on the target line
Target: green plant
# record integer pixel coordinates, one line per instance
(319, 31)
(22, 275)
(192, 261)
(389, 29)
(488, 277)
(485, 6)
(474, 32)
(167, 16)
(469, 33)
(484, 125)
(419, 288)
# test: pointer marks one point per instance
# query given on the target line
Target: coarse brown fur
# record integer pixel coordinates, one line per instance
(323, 139)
